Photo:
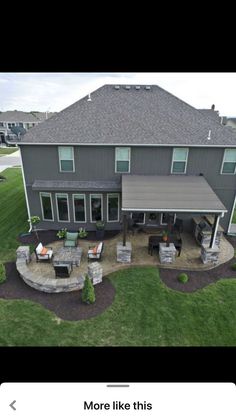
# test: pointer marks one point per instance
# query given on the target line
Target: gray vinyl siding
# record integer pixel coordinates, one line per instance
(98, 163)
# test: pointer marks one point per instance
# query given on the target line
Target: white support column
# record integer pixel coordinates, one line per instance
(215, 229)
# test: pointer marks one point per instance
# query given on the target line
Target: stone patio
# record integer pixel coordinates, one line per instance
(189, 259)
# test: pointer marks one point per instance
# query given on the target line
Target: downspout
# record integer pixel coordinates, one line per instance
(26, 196)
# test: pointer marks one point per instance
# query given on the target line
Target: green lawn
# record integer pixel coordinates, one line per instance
(7, 150)
(145, 312)
(234, 218)
(13, 214)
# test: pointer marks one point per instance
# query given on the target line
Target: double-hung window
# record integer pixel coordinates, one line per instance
(122, 163)
(96, 208)
(79, 208)
(112, 207)
(66, 159)
(46, 206)
(229, 162)
(179, 160)
(62, 207)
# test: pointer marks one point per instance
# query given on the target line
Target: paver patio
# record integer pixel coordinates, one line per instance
(189, 259)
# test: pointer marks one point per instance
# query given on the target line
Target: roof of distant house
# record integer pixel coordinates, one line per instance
(131, 115)
(17, 116)
(42, 116)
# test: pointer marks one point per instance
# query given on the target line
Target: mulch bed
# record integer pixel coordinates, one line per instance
(198, 280)
(50, 236)
(67, 305)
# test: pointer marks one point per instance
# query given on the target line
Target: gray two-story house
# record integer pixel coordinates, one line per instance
(127, 149)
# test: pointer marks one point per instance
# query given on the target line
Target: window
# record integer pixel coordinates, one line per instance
(11, 124)
(66, 159)
(79, 208)
(112, 207)
(1, 124)
(229, 161)
(21, 124)
(138, 217)
(122, 160)
(96, 210)
(62, 207)
(179, 160)
(165, 218)
(46, 206)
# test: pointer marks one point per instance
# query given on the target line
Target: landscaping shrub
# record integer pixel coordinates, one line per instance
(183, 278)
(82, 233)
(2, 273)
(88, 293)
(233, 266)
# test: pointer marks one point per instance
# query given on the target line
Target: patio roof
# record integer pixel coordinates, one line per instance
(173, 193)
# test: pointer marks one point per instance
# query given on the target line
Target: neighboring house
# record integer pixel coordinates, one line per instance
(129, 150)
(231, 122)
(23, 120)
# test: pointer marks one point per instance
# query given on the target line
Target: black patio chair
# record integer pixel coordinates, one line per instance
(178, 226)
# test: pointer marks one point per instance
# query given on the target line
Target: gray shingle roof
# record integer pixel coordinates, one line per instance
(122, 116)
(180, 193)
(17, 116)
(60, 185)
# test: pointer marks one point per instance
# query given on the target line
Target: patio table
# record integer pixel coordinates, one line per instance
(68, 255)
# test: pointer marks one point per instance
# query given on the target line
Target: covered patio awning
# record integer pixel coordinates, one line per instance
(173, 193)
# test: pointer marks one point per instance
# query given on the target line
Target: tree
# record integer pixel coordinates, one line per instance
(34, 220)
(88, 293)
(18, 131)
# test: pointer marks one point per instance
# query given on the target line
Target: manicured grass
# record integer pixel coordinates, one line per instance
(13, 213)
(145, 313)
(234, 218)
(7, 150)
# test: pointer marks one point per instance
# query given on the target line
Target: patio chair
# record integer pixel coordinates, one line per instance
(71, 239)
(43, 255)
(178, 226)
(95, 252)
(63, 270)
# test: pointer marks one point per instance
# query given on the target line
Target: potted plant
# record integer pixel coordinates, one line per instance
(82, 233)
(62, 233)
(164, 235)
(34, 220)
(100, 226)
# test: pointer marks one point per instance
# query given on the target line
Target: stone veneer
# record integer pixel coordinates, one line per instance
(95, 272)
(124, 252)
(50, 285)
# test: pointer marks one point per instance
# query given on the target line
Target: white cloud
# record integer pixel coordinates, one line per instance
(41, 91)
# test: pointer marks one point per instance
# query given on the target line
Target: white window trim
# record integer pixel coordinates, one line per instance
(85, 212)
(118, 148)
(73, 159)
(90, 206)
(182, 161)
(165, 224)
(58, 195)
(144, 218)
(41, 202)
(223, 161)
(113, 195)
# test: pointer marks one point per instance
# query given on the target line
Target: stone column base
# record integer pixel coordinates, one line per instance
(210, 255)
(124, 252)
(167, 254)
(95, 272)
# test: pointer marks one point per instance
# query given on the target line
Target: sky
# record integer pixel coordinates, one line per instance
(55, 91)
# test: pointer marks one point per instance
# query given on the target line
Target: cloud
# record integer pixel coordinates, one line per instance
(41, 91)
